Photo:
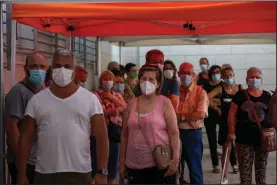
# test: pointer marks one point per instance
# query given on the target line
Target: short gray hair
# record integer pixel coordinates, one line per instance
(254, 69)
(64, 52)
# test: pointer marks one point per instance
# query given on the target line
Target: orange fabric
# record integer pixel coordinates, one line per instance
(195, 100)
(149, 18)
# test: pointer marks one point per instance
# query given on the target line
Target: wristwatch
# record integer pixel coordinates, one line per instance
(103, 172)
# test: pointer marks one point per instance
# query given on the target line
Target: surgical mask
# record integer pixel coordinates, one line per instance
(37, 76)
(82, 84)
(147, 88)
(108, 85)
(168, 74)
(204, 67)
(186, 80)
(120, 87)
(62, 76)
(133, 75)
(230, 81)
(216, 77)
(254, 83)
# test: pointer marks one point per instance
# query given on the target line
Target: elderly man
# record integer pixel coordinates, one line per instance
(15, 104)
(64, 116)
(192, 109)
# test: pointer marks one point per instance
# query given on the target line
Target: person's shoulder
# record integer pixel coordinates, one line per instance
(267, 94)
(83, 92)
(200, 90)
(18, 88)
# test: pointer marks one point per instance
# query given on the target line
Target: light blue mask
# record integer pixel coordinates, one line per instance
(230, 81)
(254, 83)
(108, 85)
(186, 80)
(37, 76)
(216, 77)
(120, 87)
(204, 67)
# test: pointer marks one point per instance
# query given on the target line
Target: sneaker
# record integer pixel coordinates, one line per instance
(216, 169)
(235, 169)
(225, 181)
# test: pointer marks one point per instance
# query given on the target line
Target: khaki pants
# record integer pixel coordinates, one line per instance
(63, 178)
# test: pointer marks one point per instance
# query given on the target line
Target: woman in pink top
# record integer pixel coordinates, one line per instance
(149, 121)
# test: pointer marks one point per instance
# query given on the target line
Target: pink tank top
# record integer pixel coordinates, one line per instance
(153, 126)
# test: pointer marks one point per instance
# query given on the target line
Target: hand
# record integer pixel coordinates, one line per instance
(22, 179)
(171, 167)
(122, 172)
(231, 137)
(100, 179)
(108, 95)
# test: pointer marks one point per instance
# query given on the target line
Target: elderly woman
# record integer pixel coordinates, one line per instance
(244, 129)
(149, 121)
(225, 91)
(113, 106)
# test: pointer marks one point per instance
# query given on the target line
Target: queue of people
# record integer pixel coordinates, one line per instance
(145, 127)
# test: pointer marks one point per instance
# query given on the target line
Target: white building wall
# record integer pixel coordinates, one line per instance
(241, 57)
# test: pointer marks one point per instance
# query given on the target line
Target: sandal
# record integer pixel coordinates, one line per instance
(235, 169)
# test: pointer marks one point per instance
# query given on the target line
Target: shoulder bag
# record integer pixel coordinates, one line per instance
(268, 135)
(114, 130)
(162, 154)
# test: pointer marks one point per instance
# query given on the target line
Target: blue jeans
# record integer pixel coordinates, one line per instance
(192, 153)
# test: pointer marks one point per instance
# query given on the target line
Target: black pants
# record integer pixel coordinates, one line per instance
(233, 156)
(30, 173)
(63, 178)
(210, 126)
(149, 176)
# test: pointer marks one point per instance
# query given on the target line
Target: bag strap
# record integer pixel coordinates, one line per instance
(253, 110)
(28, 87)
(140, 126)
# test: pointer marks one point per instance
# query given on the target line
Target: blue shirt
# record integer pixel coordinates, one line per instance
(170, 86)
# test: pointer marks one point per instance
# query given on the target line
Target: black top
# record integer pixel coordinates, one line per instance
(213, 116)
(247, 130)
(226, 100)
(202, 82)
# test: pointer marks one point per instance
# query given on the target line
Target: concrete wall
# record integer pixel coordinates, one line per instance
(241, 57)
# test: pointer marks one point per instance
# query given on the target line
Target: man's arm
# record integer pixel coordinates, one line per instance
(14, 111)
(99, 128)
(201, 111)
(272, 109)
(25, 144)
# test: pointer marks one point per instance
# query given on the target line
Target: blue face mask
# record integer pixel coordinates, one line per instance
(186, 80)
(230, 81)
(254, 83)
(107, 85)
(216, 77)
(120, 87)
(204, 67)
(37, 76)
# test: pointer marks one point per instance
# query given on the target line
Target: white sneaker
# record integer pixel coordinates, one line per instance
(225, 181)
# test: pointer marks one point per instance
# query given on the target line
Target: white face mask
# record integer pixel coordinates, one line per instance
(147, 88)
(168, 74)
(107, 85)
(62, 76)
(82, 84)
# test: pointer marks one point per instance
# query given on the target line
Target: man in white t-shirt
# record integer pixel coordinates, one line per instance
(64, 116)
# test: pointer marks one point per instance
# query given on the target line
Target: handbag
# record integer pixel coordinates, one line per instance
(162, 154)
(114, 130)
(268, 135)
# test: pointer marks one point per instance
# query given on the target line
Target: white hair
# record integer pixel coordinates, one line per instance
(64, 52)
(254, 69)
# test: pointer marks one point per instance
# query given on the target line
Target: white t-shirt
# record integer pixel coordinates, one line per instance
(64, 128)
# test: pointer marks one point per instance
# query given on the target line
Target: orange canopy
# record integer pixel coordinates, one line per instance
(149, 18)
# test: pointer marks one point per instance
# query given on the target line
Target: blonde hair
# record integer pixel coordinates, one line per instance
(103, 74)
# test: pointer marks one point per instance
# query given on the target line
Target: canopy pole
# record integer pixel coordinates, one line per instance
(98, 57)
(11, 44)
(2, 131)
(120, 52)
